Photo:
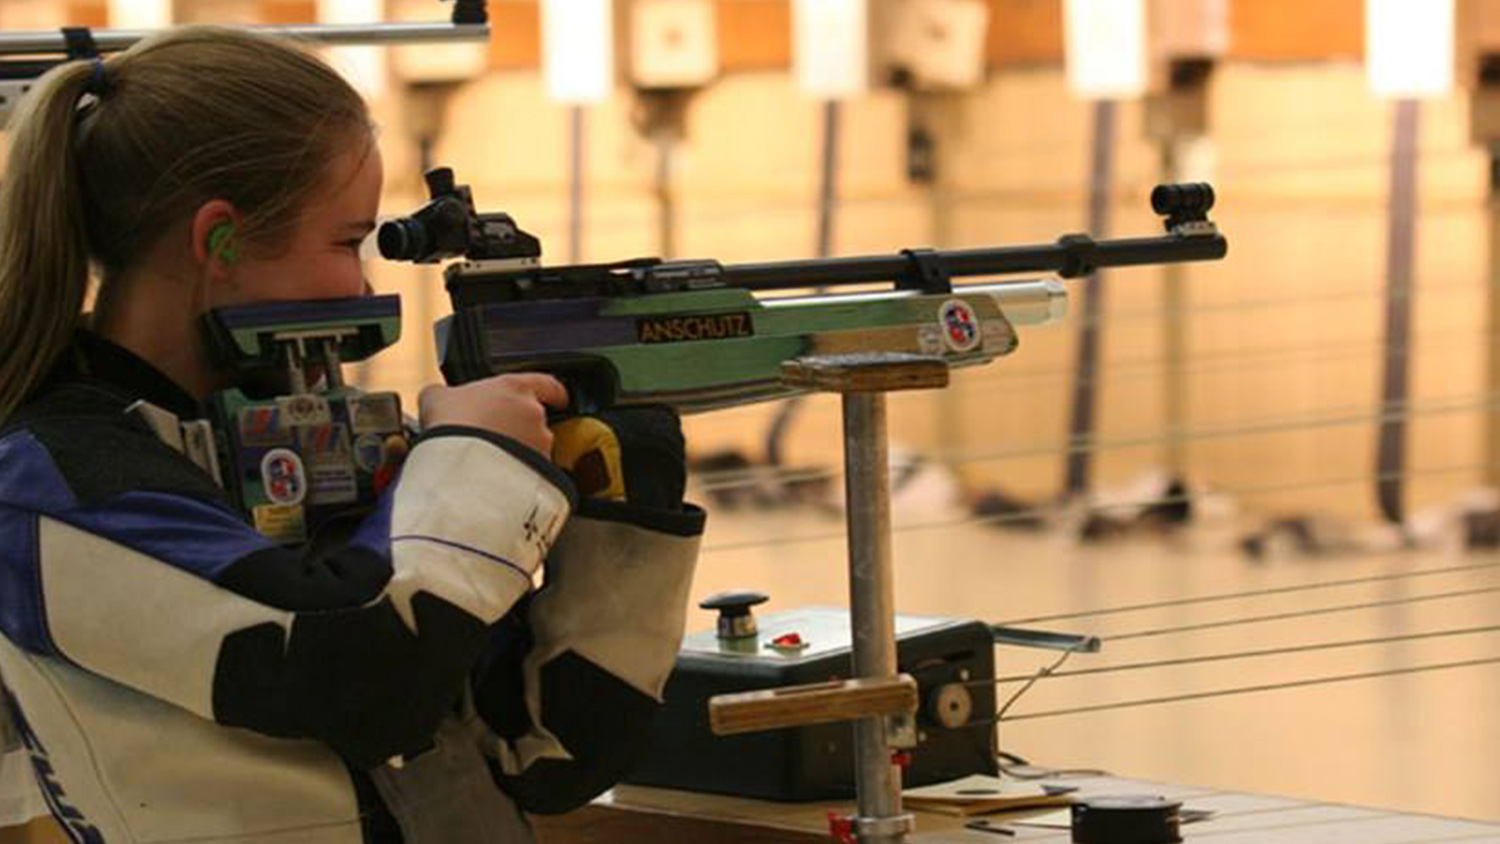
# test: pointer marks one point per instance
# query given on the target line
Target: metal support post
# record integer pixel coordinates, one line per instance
(1491, 470)
(1395, 390)
(872, 607)
(575, 183)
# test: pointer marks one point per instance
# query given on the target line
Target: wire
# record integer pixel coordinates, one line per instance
(1138, 368)
(1271, 425)
(1276, 302)
(1034, 513)
(1257, 619)
(1170, 663)
(532, 203)
(1000, 716)
(1252, 593)
(1037, 772)
(1150, 368)
(1239, 690)
(1045, 671)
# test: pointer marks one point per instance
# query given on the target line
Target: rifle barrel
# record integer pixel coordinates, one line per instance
(1068, 257)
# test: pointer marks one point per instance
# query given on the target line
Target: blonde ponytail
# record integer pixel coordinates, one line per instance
(43, 239)
(183, 117)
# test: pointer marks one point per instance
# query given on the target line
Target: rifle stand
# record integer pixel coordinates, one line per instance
(863, 380)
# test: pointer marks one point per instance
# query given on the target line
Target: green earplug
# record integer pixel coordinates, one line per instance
(221, 243)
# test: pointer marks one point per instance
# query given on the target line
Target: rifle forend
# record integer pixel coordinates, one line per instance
(694, 335)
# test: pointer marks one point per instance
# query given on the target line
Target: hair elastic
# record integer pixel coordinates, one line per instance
(98, 84)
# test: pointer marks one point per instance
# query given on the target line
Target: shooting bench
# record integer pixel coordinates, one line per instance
(631, 814)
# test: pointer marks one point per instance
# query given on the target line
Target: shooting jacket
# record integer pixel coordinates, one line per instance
(176, 676)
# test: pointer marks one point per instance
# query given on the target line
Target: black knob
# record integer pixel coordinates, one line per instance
(470, 12)
(736, 603)
(736, 621)
(439, 181)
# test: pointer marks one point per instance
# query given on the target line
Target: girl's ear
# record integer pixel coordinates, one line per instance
(215, 238)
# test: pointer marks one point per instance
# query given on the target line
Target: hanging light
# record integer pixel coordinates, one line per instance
(831, 47)
(1105, 48)
(140, 14)
(578, 50)
(1409, 47)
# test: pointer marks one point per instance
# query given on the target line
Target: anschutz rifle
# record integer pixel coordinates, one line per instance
(693, 333)
(690, 334)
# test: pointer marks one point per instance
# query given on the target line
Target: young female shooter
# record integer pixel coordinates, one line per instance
(176, 675)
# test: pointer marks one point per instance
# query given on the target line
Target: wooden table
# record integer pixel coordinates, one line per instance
(631, 814)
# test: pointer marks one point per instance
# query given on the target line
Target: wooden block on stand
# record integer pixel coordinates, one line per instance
(872, 372)
(815, 703)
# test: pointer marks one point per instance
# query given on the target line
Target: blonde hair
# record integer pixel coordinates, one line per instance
(183, 117)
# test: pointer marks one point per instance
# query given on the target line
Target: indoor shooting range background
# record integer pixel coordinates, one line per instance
(1352, 201)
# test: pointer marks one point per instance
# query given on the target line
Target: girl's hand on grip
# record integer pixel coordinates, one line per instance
(514, 405)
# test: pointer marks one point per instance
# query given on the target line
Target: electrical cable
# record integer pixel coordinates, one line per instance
(1046, 671)
(1016, 763)
(1239, 690)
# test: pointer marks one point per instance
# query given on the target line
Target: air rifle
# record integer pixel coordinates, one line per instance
(694, 334)
(697, 335)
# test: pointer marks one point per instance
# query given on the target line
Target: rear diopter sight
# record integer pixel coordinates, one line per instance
(1185, 206)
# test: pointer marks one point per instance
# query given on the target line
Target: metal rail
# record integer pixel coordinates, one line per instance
(115, 40)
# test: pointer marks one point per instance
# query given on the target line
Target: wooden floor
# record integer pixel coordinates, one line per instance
(1416, 743)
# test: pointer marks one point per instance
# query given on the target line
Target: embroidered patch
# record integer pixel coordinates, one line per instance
(283, 476)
